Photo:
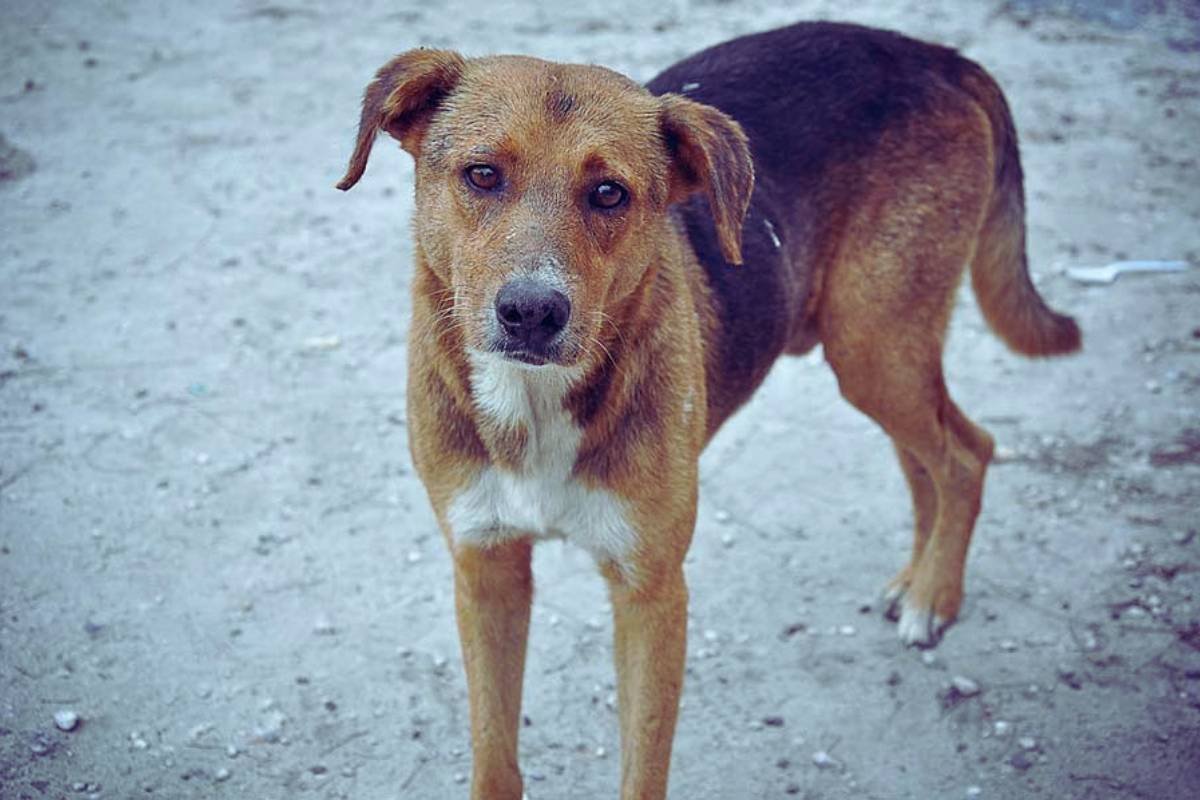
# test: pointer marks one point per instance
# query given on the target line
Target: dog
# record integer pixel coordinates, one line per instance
(605, 272)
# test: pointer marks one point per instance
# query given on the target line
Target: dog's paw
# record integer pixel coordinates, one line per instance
(921, 608)
(919, 627)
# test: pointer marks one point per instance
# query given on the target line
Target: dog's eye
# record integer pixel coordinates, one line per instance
(483, 177)
(608, 195)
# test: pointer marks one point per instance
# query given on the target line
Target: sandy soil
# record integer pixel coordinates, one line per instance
(214, 552)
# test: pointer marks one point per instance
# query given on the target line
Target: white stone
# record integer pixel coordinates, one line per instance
(66, 720)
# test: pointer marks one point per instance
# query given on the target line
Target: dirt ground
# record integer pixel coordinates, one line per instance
(214, 552)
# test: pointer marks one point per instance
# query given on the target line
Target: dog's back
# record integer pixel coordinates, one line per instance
(815, 100)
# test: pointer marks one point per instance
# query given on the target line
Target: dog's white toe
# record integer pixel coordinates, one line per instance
(919, 627)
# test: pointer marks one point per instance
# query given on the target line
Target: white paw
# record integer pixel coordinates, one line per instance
(919, 627)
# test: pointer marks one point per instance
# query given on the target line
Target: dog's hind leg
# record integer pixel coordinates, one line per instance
(944, 456)
(924, 497)
(882, 314)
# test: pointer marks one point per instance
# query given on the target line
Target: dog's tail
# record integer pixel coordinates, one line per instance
(1000, 270)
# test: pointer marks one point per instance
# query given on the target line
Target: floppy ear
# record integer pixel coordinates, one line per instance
(401, 100)
(709, 151)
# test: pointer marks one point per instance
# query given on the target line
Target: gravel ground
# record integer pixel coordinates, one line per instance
(219, 577)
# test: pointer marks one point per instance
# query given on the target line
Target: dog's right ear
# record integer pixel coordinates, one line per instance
(401, 100)
(709, 151)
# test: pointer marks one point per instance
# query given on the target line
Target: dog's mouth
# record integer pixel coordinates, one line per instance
(550, 355)
(525, 357)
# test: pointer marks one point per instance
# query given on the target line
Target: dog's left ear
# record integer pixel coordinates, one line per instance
(402, 98)
(709, 151)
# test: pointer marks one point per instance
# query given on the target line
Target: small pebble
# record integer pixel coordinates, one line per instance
(965, 686)
(723, 516)
(1003, 455)
(1027, 743)
(332, 342)
(222, 775)
(414, 556)
(1069, 677)
(198, 732)
(460, 777)
(66, 719)
(974, 791)
(1008, 645)
(78, 786)
(727, 539)
(323, 627)
(823, 760)
(847, 630)
(601, 752)
(270, 727)
(1001, 728)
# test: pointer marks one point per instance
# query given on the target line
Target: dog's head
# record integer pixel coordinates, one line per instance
(542, 189)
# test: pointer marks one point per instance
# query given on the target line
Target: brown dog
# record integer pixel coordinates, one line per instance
(580, 330)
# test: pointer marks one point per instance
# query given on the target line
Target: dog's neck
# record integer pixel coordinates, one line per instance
(521, 411)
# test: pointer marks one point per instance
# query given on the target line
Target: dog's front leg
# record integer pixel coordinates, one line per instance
(650, 643)
(493, 589)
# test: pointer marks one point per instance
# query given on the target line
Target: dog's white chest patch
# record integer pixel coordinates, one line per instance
(542, 499)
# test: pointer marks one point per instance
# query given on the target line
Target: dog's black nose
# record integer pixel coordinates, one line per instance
(531, 312)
